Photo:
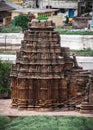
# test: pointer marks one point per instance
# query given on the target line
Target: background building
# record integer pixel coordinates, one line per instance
(84, 6)
(5, 13)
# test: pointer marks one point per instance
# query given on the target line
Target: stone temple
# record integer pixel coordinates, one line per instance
(45, 76)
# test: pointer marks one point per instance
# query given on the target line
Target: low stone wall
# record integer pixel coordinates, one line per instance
(77, 42)
(85, 62)
(12, 41)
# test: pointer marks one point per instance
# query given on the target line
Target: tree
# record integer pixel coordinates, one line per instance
(22, 20)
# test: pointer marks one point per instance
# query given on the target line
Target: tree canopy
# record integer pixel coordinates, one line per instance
(22, 20)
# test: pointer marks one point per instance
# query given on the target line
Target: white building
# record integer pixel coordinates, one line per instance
(66, 8)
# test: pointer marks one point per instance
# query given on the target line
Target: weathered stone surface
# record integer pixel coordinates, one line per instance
(45, 76)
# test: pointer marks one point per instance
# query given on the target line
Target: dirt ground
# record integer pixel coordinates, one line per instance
(5, 109)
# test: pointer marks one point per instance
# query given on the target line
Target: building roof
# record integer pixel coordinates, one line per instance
(5, 7)
(26, 10)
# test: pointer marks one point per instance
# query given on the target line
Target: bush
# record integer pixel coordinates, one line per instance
(5, 68)
(22, 20)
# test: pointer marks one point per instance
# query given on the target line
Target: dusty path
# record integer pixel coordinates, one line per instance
(5, 109)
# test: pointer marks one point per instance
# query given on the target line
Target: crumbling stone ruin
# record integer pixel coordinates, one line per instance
(45, 76)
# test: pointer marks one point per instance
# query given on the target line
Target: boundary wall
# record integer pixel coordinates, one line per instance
(12, 41)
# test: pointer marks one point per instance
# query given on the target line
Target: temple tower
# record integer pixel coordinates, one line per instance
(45, 76)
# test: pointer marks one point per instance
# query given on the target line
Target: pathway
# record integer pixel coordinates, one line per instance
(6, 110)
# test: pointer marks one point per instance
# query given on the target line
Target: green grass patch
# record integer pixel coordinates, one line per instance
(17, 29)
(10, 29)
(42, 18)
(3, 122)
(73, 32)
(48, 123)
(85, 52)
(8, 52)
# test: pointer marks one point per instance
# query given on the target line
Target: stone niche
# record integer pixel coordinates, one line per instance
(45, 76)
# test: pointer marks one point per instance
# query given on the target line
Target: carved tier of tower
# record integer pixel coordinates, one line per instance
(45, 76)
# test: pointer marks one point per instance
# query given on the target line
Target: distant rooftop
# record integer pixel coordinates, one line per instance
(5, 7)
(35, 10)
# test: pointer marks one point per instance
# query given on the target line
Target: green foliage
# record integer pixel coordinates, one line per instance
(0, 28)
(22, 20)
(42, 18)
(8, 52)
(3, 122)
(10, 29)
(73, 32)
(85, 52)
(5, 68)
(51, 123)
(89, 124)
